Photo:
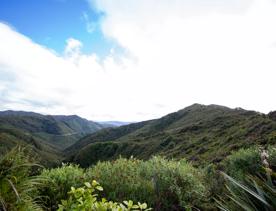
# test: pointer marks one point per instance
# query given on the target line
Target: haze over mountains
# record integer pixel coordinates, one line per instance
(199, 133)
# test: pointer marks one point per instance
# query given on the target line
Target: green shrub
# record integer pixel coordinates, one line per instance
(272, 157)
(163, 184)
(59, 183)
(85, 198)
(176, 183)
(18, 189)
(215, 185)
(248, 161)
(243, 162)
(121, 180)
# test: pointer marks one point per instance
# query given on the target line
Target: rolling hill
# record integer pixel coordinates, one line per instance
(60, 131)
(200, 133)
(47, 135)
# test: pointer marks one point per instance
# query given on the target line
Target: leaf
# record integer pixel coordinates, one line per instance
(87, 184)
(245, 189)
(99, 188)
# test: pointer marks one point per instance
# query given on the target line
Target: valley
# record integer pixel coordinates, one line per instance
(202, 134)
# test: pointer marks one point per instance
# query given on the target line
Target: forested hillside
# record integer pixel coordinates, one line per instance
(200, 133)
(45, 134)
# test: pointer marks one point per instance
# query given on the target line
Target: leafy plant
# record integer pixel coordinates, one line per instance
(254, 195)
(18, 189)
(176, 183)
(121, 179)
(85, 198)
(243, 162)
(59, 182)
(163, 184)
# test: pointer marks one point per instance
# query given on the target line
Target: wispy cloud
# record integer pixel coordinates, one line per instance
(90, 25)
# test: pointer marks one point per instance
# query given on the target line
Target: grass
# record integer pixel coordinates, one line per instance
(18, 187)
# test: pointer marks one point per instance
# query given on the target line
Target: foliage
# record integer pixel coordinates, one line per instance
(254, 194)
(201, 134)
(248, 161)
(163, 184)
(59, 182)
(18, 188)
(243, 162)
(121, 179)
(272, 157)
(85, 198)
(174, 181)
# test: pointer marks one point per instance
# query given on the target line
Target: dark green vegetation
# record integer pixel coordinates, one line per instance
(18, 187)
(48, 135)
(252, 195)
(172, 163)
(201, 134)
(86, 198)
(164, 184)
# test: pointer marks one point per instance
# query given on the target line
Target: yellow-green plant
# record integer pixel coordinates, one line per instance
(85, 199)
(59, 182)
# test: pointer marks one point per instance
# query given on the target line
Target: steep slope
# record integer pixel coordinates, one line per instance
(46, 135)
(45, 153)
(199, 133)
(59, 131)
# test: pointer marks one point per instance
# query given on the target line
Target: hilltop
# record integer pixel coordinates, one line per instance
(200, 133)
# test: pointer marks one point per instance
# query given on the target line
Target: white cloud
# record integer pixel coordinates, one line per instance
(199, 51)
(73, 46)
(179, 53)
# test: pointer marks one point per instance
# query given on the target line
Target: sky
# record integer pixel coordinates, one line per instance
(133, 60)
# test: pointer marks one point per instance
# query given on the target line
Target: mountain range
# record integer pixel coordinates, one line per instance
(47, 134)
(202, 134)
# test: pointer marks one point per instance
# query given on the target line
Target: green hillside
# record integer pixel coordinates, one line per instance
(45, 153)
(47, 135)
(60, 131)
(200, 133)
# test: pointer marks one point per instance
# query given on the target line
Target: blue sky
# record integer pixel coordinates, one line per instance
(52, 22)
(136, 59)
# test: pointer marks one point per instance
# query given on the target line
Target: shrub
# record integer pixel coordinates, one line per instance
(215, 185)
(272, 157)
(248, 161)
(163, 184)
(121, 179)
(176, 183)
(85, 198)
(243, 162)
(59, 182)
(18, 188)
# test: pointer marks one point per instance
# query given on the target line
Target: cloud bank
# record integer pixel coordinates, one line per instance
(176, 53)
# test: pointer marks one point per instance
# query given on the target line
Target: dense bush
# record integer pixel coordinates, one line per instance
(272, 157)
(86, 198)
(248, 161)
(243, 162)
(59, 182)
(121, 179)
(176, 182)
(18, 188)
(163, 184)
